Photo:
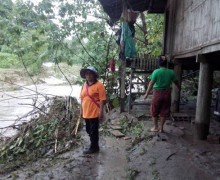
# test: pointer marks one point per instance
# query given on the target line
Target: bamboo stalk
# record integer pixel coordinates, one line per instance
(77, 126)
(56, 141)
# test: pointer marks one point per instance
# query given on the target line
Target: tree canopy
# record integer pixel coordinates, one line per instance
(68, 31)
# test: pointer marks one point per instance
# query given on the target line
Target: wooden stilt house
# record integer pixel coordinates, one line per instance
(192, 41)
(141, 64)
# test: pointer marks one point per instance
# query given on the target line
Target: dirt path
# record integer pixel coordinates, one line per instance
(110, 163)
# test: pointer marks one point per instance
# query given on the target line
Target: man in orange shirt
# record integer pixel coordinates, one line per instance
(93, 96)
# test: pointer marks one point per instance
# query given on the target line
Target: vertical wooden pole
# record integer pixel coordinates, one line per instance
(175, 102)
(123, 66)
(169, 29)
(130, 91)
(202, 120)
(123, 76)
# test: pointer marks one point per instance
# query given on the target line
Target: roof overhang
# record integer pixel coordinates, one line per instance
(114, 7)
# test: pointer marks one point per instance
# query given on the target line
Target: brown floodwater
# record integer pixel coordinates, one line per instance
(20, 105)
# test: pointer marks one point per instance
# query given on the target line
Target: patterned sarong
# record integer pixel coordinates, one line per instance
(161, 102)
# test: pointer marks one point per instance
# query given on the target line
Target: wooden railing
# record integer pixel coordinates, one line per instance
(145, 62)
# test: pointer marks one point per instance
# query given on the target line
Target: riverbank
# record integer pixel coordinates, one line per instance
(19, 97)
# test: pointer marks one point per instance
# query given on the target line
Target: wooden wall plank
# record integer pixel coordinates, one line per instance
(197, 26)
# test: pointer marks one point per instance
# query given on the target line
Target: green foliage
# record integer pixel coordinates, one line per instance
(74, 32)
(134, 128)
(46, 135)
(153, 36)
(115, 101)
(43, 132)
(82, 35)
(40, 134)
(20, 33)
(8, 61)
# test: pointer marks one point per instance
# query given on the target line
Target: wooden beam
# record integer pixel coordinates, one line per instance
(202, 120)
(169, 29)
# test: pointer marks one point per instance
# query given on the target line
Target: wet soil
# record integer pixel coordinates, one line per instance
(109, 163)
(173, 155)
(176, 154)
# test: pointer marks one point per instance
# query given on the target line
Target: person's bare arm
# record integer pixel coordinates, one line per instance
(149, 88)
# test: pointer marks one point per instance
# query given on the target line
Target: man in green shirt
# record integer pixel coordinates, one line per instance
(161, 80)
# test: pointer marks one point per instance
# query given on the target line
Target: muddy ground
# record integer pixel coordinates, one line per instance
(173, 155)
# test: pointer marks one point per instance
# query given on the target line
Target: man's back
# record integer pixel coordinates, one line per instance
(163, 78)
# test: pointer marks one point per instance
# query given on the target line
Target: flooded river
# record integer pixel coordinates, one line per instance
(16, 106)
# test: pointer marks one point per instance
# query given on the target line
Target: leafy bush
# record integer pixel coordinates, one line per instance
(8, 60)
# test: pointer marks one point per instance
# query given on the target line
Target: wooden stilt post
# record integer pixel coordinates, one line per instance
(202, 120)
(122, 94)
(175, 92)
(123, 66)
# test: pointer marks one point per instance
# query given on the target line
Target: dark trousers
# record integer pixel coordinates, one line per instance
(92, 128)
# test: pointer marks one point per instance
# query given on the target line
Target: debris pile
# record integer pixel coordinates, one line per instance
(51, 133)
